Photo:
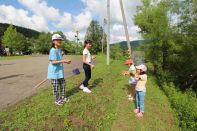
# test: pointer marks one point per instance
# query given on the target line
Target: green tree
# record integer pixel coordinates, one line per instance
(95, 33)
(68, 47)
(14, 40)
(171, 46)
(187, 39)
(117, 53)
(154, 23)
(9, 37)
(43, 43)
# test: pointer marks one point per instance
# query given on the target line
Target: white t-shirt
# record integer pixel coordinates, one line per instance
(86, 52)
(7, 49)
(132, 69)
(132, 80)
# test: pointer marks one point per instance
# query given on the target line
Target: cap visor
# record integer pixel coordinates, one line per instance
(59, 39)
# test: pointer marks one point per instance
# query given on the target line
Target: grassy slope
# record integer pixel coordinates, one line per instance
(106, 108)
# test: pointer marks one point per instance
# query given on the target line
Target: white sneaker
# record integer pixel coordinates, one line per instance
(129, 96)
(81, 87)
(86, 90)
(131, 99)
(66, 100)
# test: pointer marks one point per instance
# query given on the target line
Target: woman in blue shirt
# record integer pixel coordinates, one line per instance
(56, 70)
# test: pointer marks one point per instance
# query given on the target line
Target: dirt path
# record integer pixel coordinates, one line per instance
(18, 78)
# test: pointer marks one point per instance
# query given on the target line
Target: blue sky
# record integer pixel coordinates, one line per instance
(72, 6)
(65, 15)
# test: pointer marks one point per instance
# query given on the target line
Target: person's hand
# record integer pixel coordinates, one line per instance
(92, 66)
(93, 57)
(136, 75)
(124, 72)
(66, 61)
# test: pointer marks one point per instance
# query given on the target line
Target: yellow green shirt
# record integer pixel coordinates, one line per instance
(141, 84)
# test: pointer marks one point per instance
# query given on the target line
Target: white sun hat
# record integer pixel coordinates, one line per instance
(56, 37)
(142, 67)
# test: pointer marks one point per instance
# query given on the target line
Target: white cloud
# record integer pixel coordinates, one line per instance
(49, 13)
(79, 22)
(70, 35)
(82, 20)
(118, 33)
(9, 14)
(40, 7)
(65, 21)
(42, 15)
(98, 8)
(38, 15)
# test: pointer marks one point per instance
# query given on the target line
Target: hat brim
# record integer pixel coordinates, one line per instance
(59, 39)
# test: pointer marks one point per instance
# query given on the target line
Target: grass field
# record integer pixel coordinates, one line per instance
(106, 108)
(14, 57)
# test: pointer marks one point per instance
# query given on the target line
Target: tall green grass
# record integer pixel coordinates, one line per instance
(185, 104)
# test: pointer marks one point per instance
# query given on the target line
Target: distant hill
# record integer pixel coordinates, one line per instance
(134, 44)
(25, 31)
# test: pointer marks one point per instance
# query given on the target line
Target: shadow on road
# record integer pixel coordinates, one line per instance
(10, 76)
(7, 64)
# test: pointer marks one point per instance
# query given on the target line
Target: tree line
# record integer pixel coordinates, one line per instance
(170, 26)
(22, 41)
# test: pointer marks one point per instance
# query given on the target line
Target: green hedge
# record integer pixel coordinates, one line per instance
(186, 106)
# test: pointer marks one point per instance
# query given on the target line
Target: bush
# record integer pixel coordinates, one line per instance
(185, 105)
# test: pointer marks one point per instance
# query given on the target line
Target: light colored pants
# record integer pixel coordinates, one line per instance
(140, 100)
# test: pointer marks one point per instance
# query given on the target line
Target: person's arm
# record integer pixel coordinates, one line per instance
(60, 61)
(53, 58)
(93, 57)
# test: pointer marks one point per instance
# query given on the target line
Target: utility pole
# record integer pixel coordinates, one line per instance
(103, 37)
(108, 31)
(125, 27)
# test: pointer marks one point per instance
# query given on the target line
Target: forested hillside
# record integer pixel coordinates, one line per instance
(25, 31)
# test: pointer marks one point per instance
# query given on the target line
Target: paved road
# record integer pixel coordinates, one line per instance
(18, 78)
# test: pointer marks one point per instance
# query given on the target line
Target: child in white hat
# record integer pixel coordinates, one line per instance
(140, 89)
(56, 70)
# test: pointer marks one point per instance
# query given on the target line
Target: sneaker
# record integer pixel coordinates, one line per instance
(140, 114)
(136, 110)
(81, 87)
(66, 99)
(131, 98)
(86, 90)
(59, 102)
